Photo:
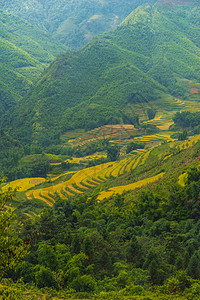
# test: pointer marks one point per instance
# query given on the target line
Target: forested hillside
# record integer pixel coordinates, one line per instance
(85, 242)
(116, 75)
(25, 51)
(73, 23)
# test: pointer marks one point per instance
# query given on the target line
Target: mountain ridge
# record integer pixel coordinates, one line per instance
(24, 52)
(137, 63)
(73, 23)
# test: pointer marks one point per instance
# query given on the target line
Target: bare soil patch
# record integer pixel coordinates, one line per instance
(194, 91)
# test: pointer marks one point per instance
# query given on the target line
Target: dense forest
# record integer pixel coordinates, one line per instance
(24, 53)
(73, 23)
(144, 243)
(115, 77)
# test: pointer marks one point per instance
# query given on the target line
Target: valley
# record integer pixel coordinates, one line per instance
(100, 149)
(108, 178)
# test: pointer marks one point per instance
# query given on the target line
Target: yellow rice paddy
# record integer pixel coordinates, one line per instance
(77, 160)
(189, 143)
(182, 179)
(64, 186)
(146, 155)
(23, 184)
(129, 187)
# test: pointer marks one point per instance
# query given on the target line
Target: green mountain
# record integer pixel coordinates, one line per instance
(73, 22)
(115, 75)
(24, 53)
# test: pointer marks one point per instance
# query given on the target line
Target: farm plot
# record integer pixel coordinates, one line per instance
(121, 189)
(65, 188)
(105, 132)
(77, 160)
(23, 184)
(160, 122)
(182, 179)
(153, 138)
(145, 156)
(117, 169)
(87, 178)
(113, 170)
(189, 143)
(61, 175)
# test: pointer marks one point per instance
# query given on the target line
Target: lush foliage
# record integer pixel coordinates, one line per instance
(12, 249)
(24, 53)
(112, 75)
(187, 119)
(72, 22)
(88, 246)
(134, 146)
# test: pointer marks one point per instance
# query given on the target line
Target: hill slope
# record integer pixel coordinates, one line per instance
(115, 75)
(73, 22)
(24, 53)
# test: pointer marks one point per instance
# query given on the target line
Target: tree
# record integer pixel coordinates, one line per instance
(40, 167)
(47, 257)
(134, 146)
(154, 265)
(133, 252)
(12, 248)
(88, 248)
(113, 152)
(183, 135)
(151, 113)
(44, 278)
(193, 268)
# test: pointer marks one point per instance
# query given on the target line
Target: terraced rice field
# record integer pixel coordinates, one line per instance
(61, 175)
(87, 178)
(182, 179)
(105, 132)
(77, 160)
(189, 143)
(154, 137)
(168, 156)
(160, 122)
(124, 188)
(145, 156)
(65, 188)
(23, 184)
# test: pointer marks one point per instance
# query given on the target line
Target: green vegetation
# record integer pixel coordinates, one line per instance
(125, 226)
(73, 23)
(12, 249)
(24, 53)
(187, 119)
(117, 76)
(134, 146)
(142, 244)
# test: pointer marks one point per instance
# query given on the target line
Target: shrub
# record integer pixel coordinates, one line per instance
(44, 278)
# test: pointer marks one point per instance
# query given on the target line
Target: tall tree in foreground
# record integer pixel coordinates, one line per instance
(12, 249)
